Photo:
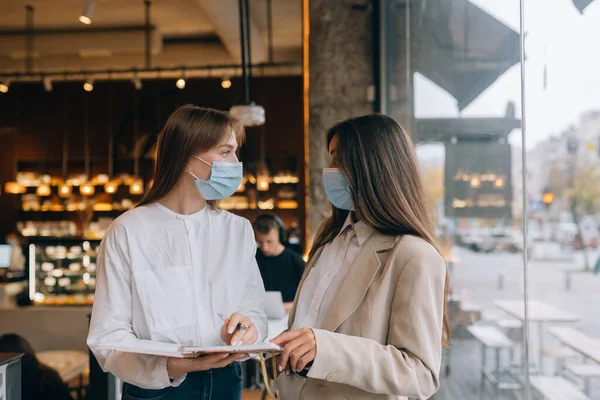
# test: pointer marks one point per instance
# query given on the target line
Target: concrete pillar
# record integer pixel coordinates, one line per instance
(340, 73)
(398, 89)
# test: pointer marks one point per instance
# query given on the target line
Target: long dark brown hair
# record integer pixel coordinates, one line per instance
(377, 157)
(37, 378)
(189, 130)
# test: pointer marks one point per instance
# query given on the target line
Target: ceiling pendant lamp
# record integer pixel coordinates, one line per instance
(14, 188)
(263, 179)
(226, 82)
(87, 188)
(4, 86)
(181, 81)
(88, 85)
(111, 187)
(43, 190)
(249, 113)
(136, 187)
(65, 190)
(88, 10)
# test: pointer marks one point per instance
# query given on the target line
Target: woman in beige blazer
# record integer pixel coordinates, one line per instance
(369, 320)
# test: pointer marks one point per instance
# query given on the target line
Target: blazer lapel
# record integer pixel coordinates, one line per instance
(358, 280)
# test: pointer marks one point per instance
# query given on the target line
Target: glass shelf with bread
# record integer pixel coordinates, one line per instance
(62, 271)
(50, 194)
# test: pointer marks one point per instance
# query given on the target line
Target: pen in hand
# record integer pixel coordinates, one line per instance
(239, 326)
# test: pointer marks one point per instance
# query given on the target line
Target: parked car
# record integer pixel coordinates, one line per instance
(478, 240)
(489, 240)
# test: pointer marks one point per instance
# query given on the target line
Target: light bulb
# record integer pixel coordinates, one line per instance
(64, 190)
(263, 183)
(88, 86)
(4, 87)
(137, 82)
(136, 187)
(87, 189)
(14, 188)
(102, 178)
(226, 83)
(43, 190)
(47, 84)
(180, 83)
(88, 10)
(111, 187)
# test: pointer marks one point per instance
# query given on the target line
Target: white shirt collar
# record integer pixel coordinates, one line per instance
(362, 230)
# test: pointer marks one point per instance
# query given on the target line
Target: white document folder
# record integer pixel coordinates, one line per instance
(179, 351)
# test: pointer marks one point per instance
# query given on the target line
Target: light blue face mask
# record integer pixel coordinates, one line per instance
(225, 178)
(337, 189)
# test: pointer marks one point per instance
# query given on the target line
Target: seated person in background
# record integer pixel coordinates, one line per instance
(38, 382)
(281, 268)
(18, 254)
(293, 240)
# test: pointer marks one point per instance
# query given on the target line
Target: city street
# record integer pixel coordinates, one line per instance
(475, 278)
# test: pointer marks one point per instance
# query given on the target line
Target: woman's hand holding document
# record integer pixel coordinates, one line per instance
(237, 331)
(180, 366)
(184, 359)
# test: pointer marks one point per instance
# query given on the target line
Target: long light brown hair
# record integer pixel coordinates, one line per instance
(188, 131)
(377, 158)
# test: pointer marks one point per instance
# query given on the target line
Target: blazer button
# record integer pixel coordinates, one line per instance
(332, 377)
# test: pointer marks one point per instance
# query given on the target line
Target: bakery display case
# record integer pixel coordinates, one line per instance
(62, 271)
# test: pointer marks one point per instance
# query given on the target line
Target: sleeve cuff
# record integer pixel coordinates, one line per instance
(165, 379)
(260, 327)
(322, 367)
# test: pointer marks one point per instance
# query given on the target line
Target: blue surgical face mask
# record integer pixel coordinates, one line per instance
(225, 178)
(337, 189)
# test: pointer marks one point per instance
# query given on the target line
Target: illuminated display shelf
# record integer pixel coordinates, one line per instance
(61, 271)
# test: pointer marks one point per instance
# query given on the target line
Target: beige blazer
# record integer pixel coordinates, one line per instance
(382, 335)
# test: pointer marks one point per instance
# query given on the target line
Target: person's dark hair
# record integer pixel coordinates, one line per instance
(38, 379)
(294, 231)
(266, 222)
(188, 131)
(13, 343)
(19, 236)
(377, 157)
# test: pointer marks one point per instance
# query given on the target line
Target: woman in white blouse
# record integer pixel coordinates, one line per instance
(369, 320)
(170, 267)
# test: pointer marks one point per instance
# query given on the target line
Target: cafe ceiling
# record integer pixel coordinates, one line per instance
(184, 32)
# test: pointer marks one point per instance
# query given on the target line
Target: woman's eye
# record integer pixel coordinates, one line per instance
(225, 154)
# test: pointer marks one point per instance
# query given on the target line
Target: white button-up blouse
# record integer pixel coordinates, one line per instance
(166, 277)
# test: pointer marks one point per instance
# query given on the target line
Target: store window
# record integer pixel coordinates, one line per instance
(451, 74)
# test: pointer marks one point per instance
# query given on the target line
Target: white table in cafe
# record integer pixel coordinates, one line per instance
(540, 313)
(587, 346)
